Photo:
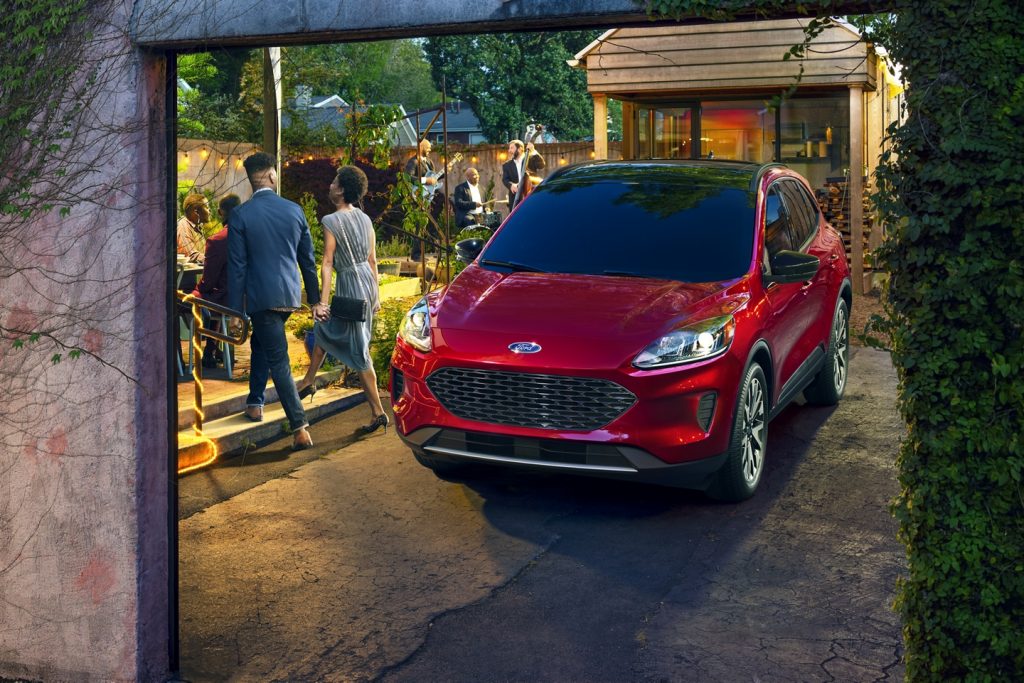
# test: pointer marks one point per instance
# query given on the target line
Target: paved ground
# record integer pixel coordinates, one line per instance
(356, 564)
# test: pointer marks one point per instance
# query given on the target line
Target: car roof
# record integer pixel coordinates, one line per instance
(741, 175)
(737, 174)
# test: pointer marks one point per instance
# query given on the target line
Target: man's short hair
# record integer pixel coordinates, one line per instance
(258, 162)
(193, 201)
(227, 204)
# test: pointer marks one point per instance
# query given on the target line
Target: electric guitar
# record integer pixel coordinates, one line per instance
(429, 190)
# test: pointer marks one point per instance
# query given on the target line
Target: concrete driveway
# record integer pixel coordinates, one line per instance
(361, 565)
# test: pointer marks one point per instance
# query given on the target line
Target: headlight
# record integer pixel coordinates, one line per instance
(695, 342)
(415, 329)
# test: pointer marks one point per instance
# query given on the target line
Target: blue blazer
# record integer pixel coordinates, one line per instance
(268, 238)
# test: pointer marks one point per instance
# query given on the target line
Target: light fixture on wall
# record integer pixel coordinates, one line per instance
(238, 163)
(502, 156)
(204, 153)
(562, 161)
(593, 154)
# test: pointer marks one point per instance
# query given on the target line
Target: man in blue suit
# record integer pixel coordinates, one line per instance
(268, 245)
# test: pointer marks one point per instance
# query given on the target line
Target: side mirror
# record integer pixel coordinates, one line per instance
(792, 266)
(467, 250)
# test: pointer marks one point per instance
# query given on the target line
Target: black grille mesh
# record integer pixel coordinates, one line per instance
(529, 400)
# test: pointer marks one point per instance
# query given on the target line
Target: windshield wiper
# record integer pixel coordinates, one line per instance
(625, 273)
(517, 267)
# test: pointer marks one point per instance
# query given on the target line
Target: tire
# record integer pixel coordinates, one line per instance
(739, 476)
(828, 385)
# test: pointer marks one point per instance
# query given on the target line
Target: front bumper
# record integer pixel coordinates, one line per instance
(556, 455)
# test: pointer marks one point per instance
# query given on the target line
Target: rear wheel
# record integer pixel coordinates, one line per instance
(741, 473)
(828, 385)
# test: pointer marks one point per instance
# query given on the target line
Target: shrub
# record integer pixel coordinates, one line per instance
(389, 319)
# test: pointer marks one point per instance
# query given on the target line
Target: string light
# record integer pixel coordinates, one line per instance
(203, 153)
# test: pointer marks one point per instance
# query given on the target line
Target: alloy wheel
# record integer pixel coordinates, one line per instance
(840, 348)
(753, 431)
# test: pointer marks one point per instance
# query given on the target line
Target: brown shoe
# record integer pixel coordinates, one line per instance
(254, 413)
(302, 440)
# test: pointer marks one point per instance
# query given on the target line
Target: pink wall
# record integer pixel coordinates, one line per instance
(83, 443)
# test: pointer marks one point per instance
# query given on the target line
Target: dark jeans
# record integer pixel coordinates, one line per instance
(270, 359)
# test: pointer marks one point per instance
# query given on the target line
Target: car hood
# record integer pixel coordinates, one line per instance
(578, 320)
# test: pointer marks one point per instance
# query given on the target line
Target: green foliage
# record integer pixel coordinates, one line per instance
(517, 78)
(382, 346)
(952, 196)
(393, 247)
(38, 98)
(309, 207)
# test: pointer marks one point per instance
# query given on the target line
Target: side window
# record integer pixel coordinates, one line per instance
(776, 223)
(802, 210)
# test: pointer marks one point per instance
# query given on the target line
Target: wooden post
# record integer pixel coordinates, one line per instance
(600, 126)
(855, 187)
(272, 105)
(628, 130)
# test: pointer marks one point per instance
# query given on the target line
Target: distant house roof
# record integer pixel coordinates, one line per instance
(460, 118)
(327, 101)
(324, 111)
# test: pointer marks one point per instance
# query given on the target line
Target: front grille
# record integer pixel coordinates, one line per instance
(529, 400)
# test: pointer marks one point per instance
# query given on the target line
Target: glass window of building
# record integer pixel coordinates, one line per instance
(738, 130)
(664, 132)
(815, 136)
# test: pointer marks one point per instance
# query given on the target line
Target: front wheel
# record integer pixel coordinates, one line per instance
(741, 473)
(828, 385)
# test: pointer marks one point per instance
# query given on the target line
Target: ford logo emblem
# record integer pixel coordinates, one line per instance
(524, 347)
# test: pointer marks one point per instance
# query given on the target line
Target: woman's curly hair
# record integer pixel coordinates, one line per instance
(352, 182)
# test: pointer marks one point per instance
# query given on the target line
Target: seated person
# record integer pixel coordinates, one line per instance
(213, 286)
(191, 241)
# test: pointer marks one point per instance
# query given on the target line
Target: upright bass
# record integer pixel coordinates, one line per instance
(533, 164)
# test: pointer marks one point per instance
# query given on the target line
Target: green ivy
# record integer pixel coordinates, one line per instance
(952, 195)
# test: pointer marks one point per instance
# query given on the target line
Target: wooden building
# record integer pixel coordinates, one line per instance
(703, 91)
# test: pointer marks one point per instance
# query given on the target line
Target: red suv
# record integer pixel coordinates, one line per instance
(642, 320)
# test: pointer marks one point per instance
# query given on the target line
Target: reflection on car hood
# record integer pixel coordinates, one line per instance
(621, 314)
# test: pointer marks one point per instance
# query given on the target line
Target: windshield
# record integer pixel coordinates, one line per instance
(665, 230)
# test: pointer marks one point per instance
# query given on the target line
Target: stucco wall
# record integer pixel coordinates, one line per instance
(82, 443)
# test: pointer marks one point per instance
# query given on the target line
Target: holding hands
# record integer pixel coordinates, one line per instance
(321, 312)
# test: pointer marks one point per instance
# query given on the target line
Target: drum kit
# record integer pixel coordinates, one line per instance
(487, 218)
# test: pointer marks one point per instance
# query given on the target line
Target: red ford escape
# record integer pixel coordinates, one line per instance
(638, 320)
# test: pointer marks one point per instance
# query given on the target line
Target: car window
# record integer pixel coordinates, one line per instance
(776, 223)
(641, 227)
(803, 212)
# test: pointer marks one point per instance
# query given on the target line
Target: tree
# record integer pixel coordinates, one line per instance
(517, 79)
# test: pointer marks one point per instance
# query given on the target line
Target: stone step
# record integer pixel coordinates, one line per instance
(232, 432)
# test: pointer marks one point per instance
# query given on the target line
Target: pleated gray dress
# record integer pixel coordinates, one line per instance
(346, 340)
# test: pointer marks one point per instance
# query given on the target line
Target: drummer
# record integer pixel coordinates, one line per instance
(469, 206)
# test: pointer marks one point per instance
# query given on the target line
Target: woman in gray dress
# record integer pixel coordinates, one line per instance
(350, 251)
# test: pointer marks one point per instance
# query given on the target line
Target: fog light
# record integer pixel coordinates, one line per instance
(706, 410)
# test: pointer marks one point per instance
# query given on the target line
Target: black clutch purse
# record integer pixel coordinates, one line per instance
(347, 308)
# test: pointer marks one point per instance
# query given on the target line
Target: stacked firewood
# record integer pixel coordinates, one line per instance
(834, 201)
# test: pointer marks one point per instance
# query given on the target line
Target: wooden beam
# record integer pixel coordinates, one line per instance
(856, 188)
(600, 126)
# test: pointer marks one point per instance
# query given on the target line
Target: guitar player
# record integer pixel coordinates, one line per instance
(420, 167)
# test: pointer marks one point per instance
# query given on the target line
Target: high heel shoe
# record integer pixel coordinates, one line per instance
(375, 424)
(309, 390)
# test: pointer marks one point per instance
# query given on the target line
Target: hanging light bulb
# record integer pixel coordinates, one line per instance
(204, 153)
